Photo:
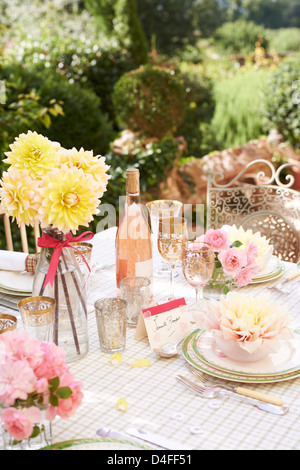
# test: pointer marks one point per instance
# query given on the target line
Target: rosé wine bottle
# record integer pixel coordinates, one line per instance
(133, 239)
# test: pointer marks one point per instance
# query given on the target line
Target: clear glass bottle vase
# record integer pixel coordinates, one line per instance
(70, 329)
(40, 438)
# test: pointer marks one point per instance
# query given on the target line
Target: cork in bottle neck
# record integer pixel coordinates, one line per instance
(132, 181)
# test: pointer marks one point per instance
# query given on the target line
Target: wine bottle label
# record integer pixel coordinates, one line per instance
(144, 268)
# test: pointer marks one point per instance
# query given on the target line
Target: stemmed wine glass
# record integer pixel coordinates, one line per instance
(172, 236)
(198, 265)
(159, 209)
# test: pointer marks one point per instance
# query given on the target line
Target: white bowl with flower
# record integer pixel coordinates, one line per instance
(265, 249)
(245, 328)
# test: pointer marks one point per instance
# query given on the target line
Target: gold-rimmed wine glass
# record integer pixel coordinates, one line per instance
(172, 236)
(198, 260)
(159, 209)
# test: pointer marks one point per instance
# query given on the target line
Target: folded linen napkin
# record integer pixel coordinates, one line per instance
(17, 261)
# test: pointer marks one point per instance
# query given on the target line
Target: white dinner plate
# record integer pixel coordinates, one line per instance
(16, 282)
(274, 268)
(189, 354)
(97, 444)
(283, 361)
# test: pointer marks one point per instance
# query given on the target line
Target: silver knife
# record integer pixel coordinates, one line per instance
(154, 438)
(9, 304)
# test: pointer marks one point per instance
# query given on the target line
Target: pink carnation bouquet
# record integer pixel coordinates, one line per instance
(235, 261)
(35, 384)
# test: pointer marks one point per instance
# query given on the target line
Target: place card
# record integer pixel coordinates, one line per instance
(166, 323)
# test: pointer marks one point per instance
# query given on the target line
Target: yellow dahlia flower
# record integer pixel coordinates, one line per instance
(19, 196)
(33, 152)
(93, 165)
(68, 199)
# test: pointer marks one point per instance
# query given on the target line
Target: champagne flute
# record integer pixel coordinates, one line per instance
(172, 236)
(198, 260)
(158, 209)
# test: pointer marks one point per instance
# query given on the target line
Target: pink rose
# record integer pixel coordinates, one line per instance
(17, 379)
(42, 386)
(245, 276)
(252, 252)
(217, 238)
(67, 406)
(53, 364)
(232, 261)
(19, 424)
(19, 346)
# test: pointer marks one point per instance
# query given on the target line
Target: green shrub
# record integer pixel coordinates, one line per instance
(239, 37)
(282, 109)
(150, 100)
(153, 158)
(83, 123)
(284, 39)
(93, 65)
(239, 108)
(200, 106)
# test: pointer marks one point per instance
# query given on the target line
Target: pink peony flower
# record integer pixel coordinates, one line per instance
(68, 406)
(18, 423)
(245, 276)
(17, 379)
(53, 364)
(232, 261)
(217, 238)
(42, 386)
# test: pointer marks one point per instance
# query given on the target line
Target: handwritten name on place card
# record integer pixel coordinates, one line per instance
(166, 323)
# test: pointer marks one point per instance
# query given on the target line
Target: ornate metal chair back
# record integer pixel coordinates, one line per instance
(262, 201)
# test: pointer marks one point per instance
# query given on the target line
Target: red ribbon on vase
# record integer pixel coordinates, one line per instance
(46, 241)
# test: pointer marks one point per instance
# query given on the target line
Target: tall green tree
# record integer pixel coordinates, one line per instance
(118, 19)
(176, 23)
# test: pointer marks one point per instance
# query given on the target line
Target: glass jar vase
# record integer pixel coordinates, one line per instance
(70, 329)
(220, 284)
(40, 437)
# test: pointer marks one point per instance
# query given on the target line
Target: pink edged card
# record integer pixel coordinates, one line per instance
(166, 323)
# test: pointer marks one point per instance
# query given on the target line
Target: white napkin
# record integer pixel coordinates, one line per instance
(12, 260)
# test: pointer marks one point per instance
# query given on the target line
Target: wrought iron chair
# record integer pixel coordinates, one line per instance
(260, 202)
(23, 234)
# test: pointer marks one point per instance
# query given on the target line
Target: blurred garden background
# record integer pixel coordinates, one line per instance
(150, 83)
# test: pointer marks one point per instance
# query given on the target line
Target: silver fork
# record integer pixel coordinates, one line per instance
(280, 287)
(216, 392)
(247, 392)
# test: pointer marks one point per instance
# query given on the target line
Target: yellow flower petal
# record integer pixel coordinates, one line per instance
(116, 358)
(33, 152)
(141, 363)
(68, 199)
(122, 405)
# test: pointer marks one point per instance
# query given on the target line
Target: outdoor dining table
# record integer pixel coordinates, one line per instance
(156, 401)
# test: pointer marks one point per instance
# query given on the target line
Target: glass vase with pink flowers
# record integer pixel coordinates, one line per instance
(36, 386)
(234, 263)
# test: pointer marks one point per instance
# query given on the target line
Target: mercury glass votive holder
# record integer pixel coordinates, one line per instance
(111, 323)
(136, 291)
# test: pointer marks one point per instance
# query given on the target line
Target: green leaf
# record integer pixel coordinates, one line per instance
(53, 400)
(53, 384)
(64, 392)
(236, 244)
(36, 431)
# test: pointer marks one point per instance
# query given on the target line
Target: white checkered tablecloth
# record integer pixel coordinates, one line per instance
(156, 402)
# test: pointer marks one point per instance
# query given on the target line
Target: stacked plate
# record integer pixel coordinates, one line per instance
(273, 270)
(200, 351)
(16, 283)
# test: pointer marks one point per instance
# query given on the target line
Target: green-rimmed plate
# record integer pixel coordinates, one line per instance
(104, 443)
(197, 361)
(274, 269)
